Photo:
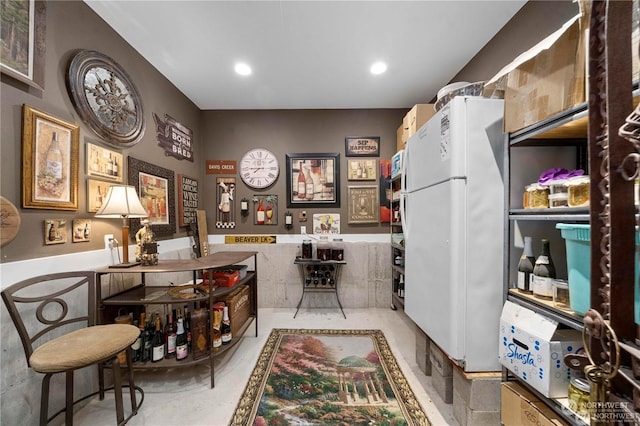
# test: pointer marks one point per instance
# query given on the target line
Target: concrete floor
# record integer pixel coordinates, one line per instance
(183, 396)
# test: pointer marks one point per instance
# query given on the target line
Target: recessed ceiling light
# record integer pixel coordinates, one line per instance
(243, 69)
(378, 68)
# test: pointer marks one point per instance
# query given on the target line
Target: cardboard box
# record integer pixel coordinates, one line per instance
(239, 308)
(533, 348)
(547, 79)
(520, 407)
(416, 118)
(401, 138)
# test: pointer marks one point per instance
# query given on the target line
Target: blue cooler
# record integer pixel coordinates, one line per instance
(577, 240)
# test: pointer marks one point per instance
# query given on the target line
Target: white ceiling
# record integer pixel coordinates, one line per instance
(307, 54)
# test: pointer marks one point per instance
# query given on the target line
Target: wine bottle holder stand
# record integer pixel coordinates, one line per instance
(319, 276)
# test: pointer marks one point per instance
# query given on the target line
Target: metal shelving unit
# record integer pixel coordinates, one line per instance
(397, 271)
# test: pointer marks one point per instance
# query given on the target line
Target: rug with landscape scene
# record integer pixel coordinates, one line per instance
(327, 377)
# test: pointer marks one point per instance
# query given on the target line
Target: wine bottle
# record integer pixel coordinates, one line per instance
(309, 186)
(114, 170)
(187, 327)
(170, 336)
(99, 197)
(302, 186)
(54, 158)
(142, 325)
(51, 236)
(86, 231)
(158, 343)
(149, 331)
(525, 267)
(225, 327)
(216, 333)
(110, 166)
(260, 213)
(181, 341)
(137, 344)
(544, 272)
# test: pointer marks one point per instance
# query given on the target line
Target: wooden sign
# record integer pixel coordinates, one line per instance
(187, 200)
(250, 239)
(221, 167)
(362, 146)
(175, 138)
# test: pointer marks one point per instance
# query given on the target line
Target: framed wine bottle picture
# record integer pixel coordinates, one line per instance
(50, 161)
(313, 180)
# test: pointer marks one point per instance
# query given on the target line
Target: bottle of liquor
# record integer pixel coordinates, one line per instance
(225, 327)
(54, 158)
(260, 213)
(158, 343)
(99, 197)
(187, 327)
(110, 166)
(137, 344)
(142, 324)
(544, 272)
(114, 170)
(181, 342)
(525, 267)
(216, 333)
(170, 335)
(309, 186)
(86, 231)
(149, 331)
(51, 236)
(302, 186)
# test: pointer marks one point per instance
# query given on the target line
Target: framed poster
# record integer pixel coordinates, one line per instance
(187, 200)
(362, 169)
(265, 209)
(363, 204)
(313, 180)
(326, 223)
(81, 230)
(362, 146)
(23, 41)
(104, 163)
(97, 190)
(55, 231)
(155, 187)
(50, 161)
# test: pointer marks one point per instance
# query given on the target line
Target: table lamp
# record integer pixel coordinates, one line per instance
(122, 201)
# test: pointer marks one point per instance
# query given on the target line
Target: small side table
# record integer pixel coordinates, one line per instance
(319, 276)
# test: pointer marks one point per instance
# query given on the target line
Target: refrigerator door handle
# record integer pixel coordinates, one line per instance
(403, 196)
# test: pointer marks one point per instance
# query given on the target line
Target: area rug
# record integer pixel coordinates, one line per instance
(327, 377)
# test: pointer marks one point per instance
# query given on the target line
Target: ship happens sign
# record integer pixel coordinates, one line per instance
(175, 138)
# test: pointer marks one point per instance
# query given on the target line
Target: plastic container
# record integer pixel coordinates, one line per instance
(337, 249)
(560, 293)
(559, 199)
(577, 240)
(578, 190)
(535, 196)
(558, 186)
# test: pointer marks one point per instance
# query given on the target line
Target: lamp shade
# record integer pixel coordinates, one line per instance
(122, 201)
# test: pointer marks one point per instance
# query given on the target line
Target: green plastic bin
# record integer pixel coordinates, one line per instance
(577, 239)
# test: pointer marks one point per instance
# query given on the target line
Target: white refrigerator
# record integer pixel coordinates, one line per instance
(453, 214)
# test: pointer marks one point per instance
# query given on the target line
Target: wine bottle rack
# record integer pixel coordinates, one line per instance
(137, 298)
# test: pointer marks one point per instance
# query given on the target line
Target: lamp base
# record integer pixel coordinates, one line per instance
(124, 265)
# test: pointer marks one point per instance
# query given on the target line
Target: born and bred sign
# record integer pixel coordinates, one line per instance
(175, 138)
(362, 146)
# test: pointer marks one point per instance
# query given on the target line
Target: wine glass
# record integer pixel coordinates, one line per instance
(269, 214)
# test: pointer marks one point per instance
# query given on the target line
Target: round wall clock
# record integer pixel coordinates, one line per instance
(106, 98)
(259, 168)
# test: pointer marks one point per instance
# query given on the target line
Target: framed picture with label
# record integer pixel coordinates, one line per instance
(49, 161)
(362, 169)
(103, 162)
(363, 204)
(313, 180)
(362, 146)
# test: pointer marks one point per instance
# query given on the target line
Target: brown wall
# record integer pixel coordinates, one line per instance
(72, 26)
(229, 134)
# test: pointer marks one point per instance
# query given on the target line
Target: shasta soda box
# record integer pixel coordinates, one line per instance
(533, 348)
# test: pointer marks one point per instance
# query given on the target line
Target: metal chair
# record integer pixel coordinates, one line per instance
(55, 316)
